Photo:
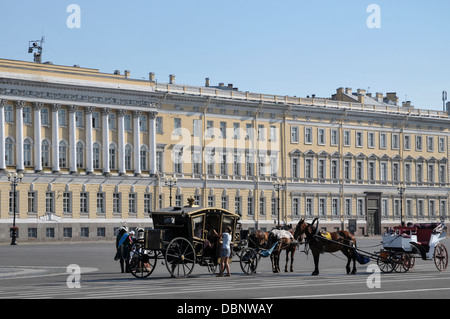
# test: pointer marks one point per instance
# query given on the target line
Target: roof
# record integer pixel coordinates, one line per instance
(191, 210)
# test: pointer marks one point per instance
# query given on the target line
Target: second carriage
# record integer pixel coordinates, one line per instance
(182, 238)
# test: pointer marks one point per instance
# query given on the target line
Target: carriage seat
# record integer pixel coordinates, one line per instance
(424, 232)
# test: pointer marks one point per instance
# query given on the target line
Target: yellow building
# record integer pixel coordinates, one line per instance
(97, 150)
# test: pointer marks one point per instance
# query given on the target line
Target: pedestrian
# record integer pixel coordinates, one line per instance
(225, 252)
(123, 247)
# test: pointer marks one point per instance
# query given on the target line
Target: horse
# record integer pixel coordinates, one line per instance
(267, 240)
(340, 240)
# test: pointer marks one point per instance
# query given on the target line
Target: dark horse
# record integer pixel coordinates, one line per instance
(267, 240)
(319, 245)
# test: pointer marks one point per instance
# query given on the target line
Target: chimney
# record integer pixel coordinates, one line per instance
(207, 82)
(448, 108)
(379, 97)
(171, 79)
(117, 72)
(127, 74)
(392, 97)
(361, 96)
(151, 77)
(348, 91)
(230, 85)
(406, 104)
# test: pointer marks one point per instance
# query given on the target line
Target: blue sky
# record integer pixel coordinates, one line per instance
(295, 48)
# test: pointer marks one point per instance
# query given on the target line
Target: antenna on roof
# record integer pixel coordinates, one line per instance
(36, 48)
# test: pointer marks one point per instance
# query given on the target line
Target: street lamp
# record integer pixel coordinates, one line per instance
(15, 179)
(171, 182)
(444, 98)
(401, 191)
(278, 186)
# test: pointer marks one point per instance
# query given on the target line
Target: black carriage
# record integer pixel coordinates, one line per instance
(183, 237)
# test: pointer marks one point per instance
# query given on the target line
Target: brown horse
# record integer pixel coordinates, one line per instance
(267, 240)
(319, 245)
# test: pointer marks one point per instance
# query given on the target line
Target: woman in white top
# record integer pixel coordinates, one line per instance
(225, 252)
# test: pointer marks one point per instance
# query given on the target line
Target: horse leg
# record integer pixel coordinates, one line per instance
(292, 260)
(316, 255)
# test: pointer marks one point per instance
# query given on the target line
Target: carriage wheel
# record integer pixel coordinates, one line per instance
(402, 262)
(249, 261)
(385, 262)
(440, 257)
(143, 264)
(180, 258)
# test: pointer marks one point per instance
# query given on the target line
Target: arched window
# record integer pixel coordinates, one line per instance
(27, 152)
(96, 155)
(144, 157)
(128, 157)
(62, 154)
(112, 156)
(45, 153)
(80, 155)
(9, 151)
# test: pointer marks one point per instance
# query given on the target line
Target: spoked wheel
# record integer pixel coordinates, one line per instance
(180, 258)
(402, 262)
(385, 262)
(143, 264)
(249, 261)
(440, 257)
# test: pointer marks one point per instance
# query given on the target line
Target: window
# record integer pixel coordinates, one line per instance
(112, 156)
(334, 170)
(49, 202)
(223, 130)
(176, 126)
(197, 127)
(101, 232)
(294, 134)
(261, 132)
(382, 140)
(407, 142)
(273, 134)
(431, 208)
(383, 171)
(45, 153)
(128, 157)
(112, 121)
(79, 119)
(209, 129)
(96, 120)
(347, 170)
(430, 143)
(443, 208)
(32, 202)
(407, 172)
(237, 164)
(395, 141)
(132, 203)
(409, 208)
(321, 169)
(371, 139)
(308, 168)
(442, 174)
(430, 173)
(32, 232)
(84, 206)
(371, 171)
(62, 117)
(296, 206)
(308, 135)
(395, 172)
(418, 143)
(384, 208)
(250, 209)
(334, 137)
(159, 125)
(321, 140)
(262, 206)
(159, 161)
(347, 138)
(295, 167)
(178, 161)
(27, 153)
(148, 203)
(236, 131)
(100, 203)
(309, 207)
(143, 158)
(223, 164)
(359, 170)
(249, 170)
(116, 203)
(50, 232)
(335, 206)
(9, 151)
(237, 205)
(62, 154)
(80, 154)
(441, 144)
(45, 120)
(420, 212)
(127, 122)
(396, 208)
(359, 139)
(224, 202)
(84, 232)
(249, 131)
(348, 206)
(360, 207)
(143, 123)
(26, 113)
(67, 203)
(96, 155)
(210, 201)
(419, 173)
(322, 207)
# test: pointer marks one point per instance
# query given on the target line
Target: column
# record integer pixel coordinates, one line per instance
(89, 142)
(105, 138)
(2, 135)
(121, 142)
(152, 142)
(19, 136)
(137, 142)
(73, 139)
(55, 137)
(37, 137)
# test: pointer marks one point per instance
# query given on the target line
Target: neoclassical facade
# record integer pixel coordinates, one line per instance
(95, 150)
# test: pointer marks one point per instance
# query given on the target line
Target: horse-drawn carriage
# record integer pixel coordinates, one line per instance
(183, 237)
(404, 244)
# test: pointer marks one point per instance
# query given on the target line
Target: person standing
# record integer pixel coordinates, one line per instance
(123, 247)
(225, 252)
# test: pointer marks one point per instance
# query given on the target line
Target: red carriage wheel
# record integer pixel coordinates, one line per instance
(440, 257)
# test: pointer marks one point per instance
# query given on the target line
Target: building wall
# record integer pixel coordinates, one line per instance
(303, 144)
